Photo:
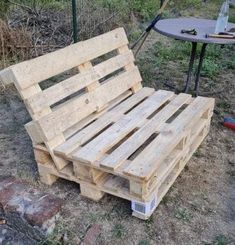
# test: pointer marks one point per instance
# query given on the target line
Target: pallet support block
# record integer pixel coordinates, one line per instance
(91, 193)
(143, 210)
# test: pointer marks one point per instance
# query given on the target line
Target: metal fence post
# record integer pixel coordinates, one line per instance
(75, 24)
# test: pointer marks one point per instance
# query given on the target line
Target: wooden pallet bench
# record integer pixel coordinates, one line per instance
(102, 129)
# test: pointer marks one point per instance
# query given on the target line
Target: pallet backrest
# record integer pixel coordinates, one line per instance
(59, 107)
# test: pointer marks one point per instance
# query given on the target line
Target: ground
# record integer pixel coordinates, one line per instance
(198, 209)
(200, 206)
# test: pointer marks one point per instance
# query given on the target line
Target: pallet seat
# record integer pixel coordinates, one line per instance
(100, 128)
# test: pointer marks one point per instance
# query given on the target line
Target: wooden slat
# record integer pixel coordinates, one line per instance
(34, 132)
(111, 116)
(77, 109)
(75, 83)
(81, 124)
(41, 68)
(161, 147)
(135, 141)
(136, 118)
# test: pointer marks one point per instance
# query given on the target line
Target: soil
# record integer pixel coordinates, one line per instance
(198, 209)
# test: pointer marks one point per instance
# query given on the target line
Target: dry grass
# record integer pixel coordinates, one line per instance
(15, 44)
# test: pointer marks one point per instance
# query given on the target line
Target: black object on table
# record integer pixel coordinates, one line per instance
(173, 27)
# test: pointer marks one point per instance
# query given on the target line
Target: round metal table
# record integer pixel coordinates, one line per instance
(172, 28)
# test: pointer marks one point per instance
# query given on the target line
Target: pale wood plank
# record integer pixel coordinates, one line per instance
(136, 118)
(59, 162)
(41, 68)
(75, 128)
(77, 109)
(161, 147)
(110, 116)
(34, 132)
(135, 141)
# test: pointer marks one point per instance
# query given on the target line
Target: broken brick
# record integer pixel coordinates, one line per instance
(16, 197)
(42, 210)
(92, 235)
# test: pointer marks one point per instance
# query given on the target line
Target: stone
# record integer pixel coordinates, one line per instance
(18, 198)
(43, 212)
(92, 235)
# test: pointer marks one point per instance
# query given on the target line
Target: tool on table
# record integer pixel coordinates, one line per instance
(229, 122)
(222, 20)
(227, 33)
(226, 36)
(189, 31)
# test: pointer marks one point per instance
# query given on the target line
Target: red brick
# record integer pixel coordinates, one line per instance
(42, 210)
(92, 235)
(6, 182)
(6, 195)
(11, 195)
(17, 197)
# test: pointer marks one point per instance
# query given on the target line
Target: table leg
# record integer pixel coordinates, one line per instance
(202, 55)
(190, 69)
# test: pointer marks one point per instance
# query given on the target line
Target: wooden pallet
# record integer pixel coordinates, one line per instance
(101, 129)
(174, 125)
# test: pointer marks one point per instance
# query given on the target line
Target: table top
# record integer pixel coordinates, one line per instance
(172, 28)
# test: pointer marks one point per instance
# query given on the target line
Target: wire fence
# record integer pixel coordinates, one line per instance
(32, 28)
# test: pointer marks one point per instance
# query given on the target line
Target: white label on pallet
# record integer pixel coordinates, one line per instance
(145, 208)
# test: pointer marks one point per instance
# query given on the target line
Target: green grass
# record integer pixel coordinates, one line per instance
(183, 214)
(119, 231)
(221, 240)
(167, 60)
(224, 105)
(61, 230)
(144, 242)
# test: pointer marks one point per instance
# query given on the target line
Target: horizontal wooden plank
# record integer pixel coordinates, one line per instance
(166, 141)
(135, 141)
(136, 118)
(111, 116)
(41, 68)
(78, 108)
(75, 83)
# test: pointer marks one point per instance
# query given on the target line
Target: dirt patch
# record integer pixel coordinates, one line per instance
(198, 209)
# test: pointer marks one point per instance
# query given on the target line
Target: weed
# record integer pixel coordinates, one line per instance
(183, 214)
(210, 68)
(56, 237)
(197, 153)
(221, 240)
(224, 105)
(150, 229)
(150, 221)
(119, 231)
(170, 198)
(93, 217)
(144, 242)
(231, 173)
